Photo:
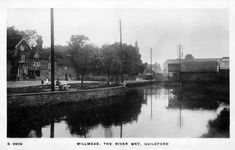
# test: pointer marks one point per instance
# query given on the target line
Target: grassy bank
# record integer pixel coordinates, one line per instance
(219, 127)
(45, 88)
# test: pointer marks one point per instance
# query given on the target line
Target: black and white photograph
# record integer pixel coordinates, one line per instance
(117, 73)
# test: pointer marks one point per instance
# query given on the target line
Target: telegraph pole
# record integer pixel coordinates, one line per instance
(52, 51)
(151, 65)
(121, 68)
(180, 55)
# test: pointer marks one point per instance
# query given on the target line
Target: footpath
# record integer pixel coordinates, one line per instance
(16, 84)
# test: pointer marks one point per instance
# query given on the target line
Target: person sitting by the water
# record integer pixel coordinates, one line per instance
(123, 84)
(58, 83)
(42, 81)
(46, 81)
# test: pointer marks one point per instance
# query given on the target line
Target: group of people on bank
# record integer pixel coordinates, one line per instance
(58, 84)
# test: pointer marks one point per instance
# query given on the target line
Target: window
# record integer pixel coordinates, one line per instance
(49, 65)
(21, 47)
(22, 58)
(36, 64)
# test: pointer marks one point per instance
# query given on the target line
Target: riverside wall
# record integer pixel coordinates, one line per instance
(60, 97)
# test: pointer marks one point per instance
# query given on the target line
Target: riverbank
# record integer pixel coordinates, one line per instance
(41, 94)
(76, 86)
(219, 127)
(60, 97)
(46, 88)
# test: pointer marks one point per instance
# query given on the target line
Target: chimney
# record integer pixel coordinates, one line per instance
(39, 43)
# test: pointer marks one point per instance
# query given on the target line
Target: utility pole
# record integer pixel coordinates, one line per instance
(151, 65)
(121, 68)
(52, 52)
(180, 54)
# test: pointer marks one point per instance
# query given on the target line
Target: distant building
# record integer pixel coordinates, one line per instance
(206, 69)
(65, 70)
(224, 63)
(224, 68)
(24, 63)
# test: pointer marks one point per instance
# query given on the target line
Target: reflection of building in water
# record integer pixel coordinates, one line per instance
(174, 101)
(193, 96)
(145, 96)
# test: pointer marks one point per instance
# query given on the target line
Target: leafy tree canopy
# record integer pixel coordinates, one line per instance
(189, 56)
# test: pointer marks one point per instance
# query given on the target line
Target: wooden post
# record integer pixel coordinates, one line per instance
(151, 65)
(180, 62)
(121, 68)
(52, 52)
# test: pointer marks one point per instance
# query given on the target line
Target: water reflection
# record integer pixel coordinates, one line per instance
(149, 111)
(79, 118)
(193, 96)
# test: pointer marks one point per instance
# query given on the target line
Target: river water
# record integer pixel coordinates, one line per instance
(150, 111)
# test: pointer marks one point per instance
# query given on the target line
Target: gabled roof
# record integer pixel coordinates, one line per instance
(12, 43)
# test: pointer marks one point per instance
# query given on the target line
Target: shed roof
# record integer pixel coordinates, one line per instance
(177, 61)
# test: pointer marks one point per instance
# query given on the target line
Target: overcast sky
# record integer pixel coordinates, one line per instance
(203, 33)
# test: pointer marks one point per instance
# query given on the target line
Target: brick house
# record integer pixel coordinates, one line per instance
(24, 62)
(40, 66)
(65, 70)
(18, 58)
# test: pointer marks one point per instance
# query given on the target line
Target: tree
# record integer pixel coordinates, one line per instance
(12, 32)
(189, 56)
(157, 67)
(84, 55)
(112, 62)
(77, 41)
(165, 67)
(31, 36)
